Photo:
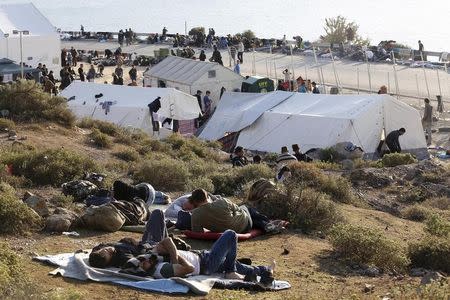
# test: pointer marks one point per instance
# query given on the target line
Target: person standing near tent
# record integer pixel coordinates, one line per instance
(315, 88)
(233, 54)
(237, 67)
(81, 73)
(207, 102)
(133, 73)
(392, 140)
(240, 49)
(74, 53)
(427, 120)
(118, 71)
(91, 74)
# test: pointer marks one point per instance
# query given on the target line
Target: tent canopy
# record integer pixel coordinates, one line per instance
(24, 16)
(182, 70)
(126, 100)
(269, 121)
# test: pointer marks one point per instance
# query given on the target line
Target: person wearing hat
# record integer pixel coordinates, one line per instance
(285, 157)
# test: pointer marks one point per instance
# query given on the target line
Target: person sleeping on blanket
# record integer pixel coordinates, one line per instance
(117, 254)
(221, 258)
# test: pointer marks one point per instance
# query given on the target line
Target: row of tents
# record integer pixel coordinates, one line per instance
(262, 122)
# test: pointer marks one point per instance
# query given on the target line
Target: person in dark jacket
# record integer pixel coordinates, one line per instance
(81, 73)
(392, 140)
(202, 56)
(216, 56)
(133, 73)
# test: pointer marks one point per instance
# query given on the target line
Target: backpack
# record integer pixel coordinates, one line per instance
(104, 217)
(79, 189)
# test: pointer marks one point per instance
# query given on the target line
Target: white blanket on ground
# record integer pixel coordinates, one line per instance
(75, 265)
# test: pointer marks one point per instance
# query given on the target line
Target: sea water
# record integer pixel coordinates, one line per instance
(405, 21)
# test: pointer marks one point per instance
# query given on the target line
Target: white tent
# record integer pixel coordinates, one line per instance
(128, 106)
(41, 45)
(269, 121)
(190, 75)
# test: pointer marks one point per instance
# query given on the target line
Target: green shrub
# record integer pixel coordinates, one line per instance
(437, 225)
(329, 155)
(414, 195)
(7, 124)
(308, 175)
(367, 246)
(27, 102)
(48, 167)
(416, 213)
(441, 203)
(99, 139)
(127, 154)
(431, 253)
(200, 183)
(432, 177)
(397, 159)
(166, 174)
(150, 145)
(62, 200)
(310, 210)
(103, 126)
(188, 146)
(14, 282)
(230, 182)
(16, 216)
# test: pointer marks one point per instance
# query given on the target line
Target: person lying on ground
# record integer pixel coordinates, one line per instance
(223, 214)
(283, 174)
(117, 254)
(221, 258)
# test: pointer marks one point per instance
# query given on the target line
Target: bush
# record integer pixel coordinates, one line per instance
(48, 167)
(431, 253)
(367, 246)
(310, 210)
(441, 203)
(27, 102)
(329, 155)
(414, 195)
(7, 124)
(308, 175)
(103, 126)
(189, 146)
(16, 216)
(127, 154)
(230, 182)
(62, 200)
(438, 226)
(432, 177)
(397, 159)
(416, 213)
(165, 174)
(99, 139)
(200, 183)
(14, 283)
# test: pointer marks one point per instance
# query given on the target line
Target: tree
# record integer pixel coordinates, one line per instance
(248, 34)
(197, 31)
(339, 30)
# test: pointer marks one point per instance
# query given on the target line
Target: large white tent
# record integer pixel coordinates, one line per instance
(267, 122)
(127, 106)
(190, 75)
(41, 45)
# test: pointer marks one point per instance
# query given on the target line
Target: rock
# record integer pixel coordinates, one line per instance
(431, 277)
(27, 195)
(417, 272)
(347, 164)
(285, 251)
(38, 204)
(372, 272)
(371, 177)
(58, 223)
(368, 288)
